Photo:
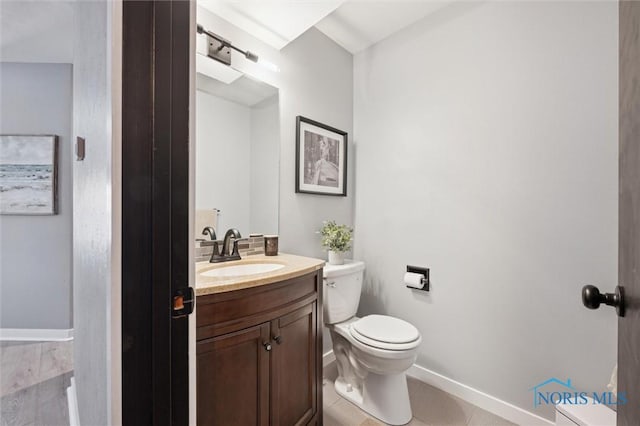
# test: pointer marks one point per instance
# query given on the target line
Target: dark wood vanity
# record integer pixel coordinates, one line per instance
(259, 354)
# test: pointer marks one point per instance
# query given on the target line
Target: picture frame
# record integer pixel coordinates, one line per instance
(321, 158)
(28, 174)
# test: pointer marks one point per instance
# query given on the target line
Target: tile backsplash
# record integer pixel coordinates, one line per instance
(248, 247)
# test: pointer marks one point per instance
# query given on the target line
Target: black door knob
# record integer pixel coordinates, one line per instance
(592, 298)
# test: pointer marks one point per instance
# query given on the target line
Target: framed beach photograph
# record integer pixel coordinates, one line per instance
(321, 158)
(28, 174)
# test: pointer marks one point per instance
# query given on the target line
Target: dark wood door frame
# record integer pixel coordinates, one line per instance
(155, 209)
(629, 211)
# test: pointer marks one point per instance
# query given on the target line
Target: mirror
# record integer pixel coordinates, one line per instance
(237, 156)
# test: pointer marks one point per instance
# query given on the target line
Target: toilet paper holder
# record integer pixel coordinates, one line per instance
(422, 271)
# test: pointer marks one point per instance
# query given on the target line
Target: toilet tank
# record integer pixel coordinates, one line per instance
(341, 290)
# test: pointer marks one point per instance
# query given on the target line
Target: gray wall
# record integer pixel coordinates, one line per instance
(35, 251)
(487, 142)
(317, 82)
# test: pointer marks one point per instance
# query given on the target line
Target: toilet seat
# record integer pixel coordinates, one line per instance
(385, 332)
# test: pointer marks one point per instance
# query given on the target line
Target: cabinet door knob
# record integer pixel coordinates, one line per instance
(267, 346)
(278, 339)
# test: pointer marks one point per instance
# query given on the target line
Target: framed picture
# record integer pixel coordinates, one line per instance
(28, 174)
(321, 158)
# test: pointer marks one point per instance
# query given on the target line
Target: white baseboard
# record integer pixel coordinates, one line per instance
(72, 400)
(478, 398)
(35, 334)
(473, 396)
(328, 358)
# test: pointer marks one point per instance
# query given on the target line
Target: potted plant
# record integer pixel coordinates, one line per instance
(336, 239)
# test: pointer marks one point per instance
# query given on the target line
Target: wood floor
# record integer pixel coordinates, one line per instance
(34, 377)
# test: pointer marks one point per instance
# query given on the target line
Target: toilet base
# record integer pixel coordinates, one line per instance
(385, 397)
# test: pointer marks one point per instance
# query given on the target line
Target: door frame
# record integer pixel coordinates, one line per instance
(628, 414)
(156, 96)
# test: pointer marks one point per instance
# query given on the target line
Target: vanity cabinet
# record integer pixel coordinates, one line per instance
(233, 378)
(259, 359)
(294, 381)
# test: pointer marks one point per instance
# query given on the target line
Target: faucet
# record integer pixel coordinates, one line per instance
(212, 232)
(226, 245)
(216, 257)
(226, 253)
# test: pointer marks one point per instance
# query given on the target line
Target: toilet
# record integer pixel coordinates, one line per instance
(589, 414)
(373, 352)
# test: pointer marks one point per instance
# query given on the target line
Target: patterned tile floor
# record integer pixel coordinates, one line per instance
(431, 407)
(34, 377)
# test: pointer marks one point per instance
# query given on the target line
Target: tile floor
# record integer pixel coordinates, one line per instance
(431, 407)
(34, 377)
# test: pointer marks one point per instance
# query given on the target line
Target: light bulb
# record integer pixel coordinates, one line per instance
(268, 65)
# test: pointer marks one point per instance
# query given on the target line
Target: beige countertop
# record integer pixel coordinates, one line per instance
(294, 266)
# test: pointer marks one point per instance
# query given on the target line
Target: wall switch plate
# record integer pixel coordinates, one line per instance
(80, 148)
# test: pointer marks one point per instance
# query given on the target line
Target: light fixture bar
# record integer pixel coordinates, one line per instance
(226, 43)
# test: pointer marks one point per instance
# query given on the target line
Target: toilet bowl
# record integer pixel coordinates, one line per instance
(373, 352)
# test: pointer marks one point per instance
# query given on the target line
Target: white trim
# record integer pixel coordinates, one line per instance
(72, 401)
(478, 398)
(114, 293)
(328, 358)
(473, 396)
(36, 334)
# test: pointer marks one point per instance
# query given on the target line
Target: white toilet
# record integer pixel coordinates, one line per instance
(589, 414)
(372, 353)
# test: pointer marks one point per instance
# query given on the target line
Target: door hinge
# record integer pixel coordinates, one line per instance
(183, 302)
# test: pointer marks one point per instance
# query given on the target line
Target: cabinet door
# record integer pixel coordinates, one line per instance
(233, 378)
(294, 367)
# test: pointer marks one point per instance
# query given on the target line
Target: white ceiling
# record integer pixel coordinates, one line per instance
(356, 25)
(275, 22)
(36, 31)
(42, 31)
(353, 24)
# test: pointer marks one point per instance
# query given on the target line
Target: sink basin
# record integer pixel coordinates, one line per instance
(241, 270)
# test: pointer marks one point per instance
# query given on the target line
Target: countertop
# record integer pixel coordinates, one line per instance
(294, 266)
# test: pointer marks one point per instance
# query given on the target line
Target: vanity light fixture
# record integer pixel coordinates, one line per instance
(219, 49)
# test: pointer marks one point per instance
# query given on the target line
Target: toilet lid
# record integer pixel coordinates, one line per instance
(385, 329)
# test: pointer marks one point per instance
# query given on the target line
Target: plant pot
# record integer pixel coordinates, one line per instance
(336, 257)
